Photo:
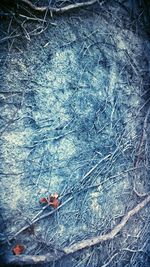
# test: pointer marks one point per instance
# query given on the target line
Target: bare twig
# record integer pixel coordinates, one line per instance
(39, 215)
(32, 259)
(110, 260)
(96, 240)
(137, 160)
(32, 18)
(142, 138)
(58, 10)
(36, 218)
(91, 170)
(50, 257)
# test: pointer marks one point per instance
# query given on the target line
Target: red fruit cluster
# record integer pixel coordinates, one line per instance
(52, 200)
(18, 249)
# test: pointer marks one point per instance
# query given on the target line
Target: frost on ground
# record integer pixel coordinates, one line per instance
(74, 120)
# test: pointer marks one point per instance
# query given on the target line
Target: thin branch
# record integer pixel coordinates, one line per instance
(110, 260)
(137, 160)
(58, 10)
(142, 138)
(50, 257)
(32, 18)
(22, 260)
(36, 218)
(39, 215)
(96, 240)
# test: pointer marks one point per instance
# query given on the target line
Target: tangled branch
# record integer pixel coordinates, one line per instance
(49, 257)
(58, 10)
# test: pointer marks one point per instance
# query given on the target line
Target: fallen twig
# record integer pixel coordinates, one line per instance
(50, 257)
(22, 260)
(39, 215)
(142, 138)
(36, 218)
(96, 240)
(58, 10)
(137, 160)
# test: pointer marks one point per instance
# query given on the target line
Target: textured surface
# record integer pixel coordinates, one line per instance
(73, 106)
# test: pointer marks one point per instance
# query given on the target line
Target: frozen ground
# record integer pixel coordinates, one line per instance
(74, 120)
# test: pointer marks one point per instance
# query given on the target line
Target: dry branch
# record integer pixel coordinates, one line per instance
(32, 259)
(58, 10)
(36, 218)
(39, 215)
(137, 160)
(96, 240)
(142, 138)
(29, 259)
